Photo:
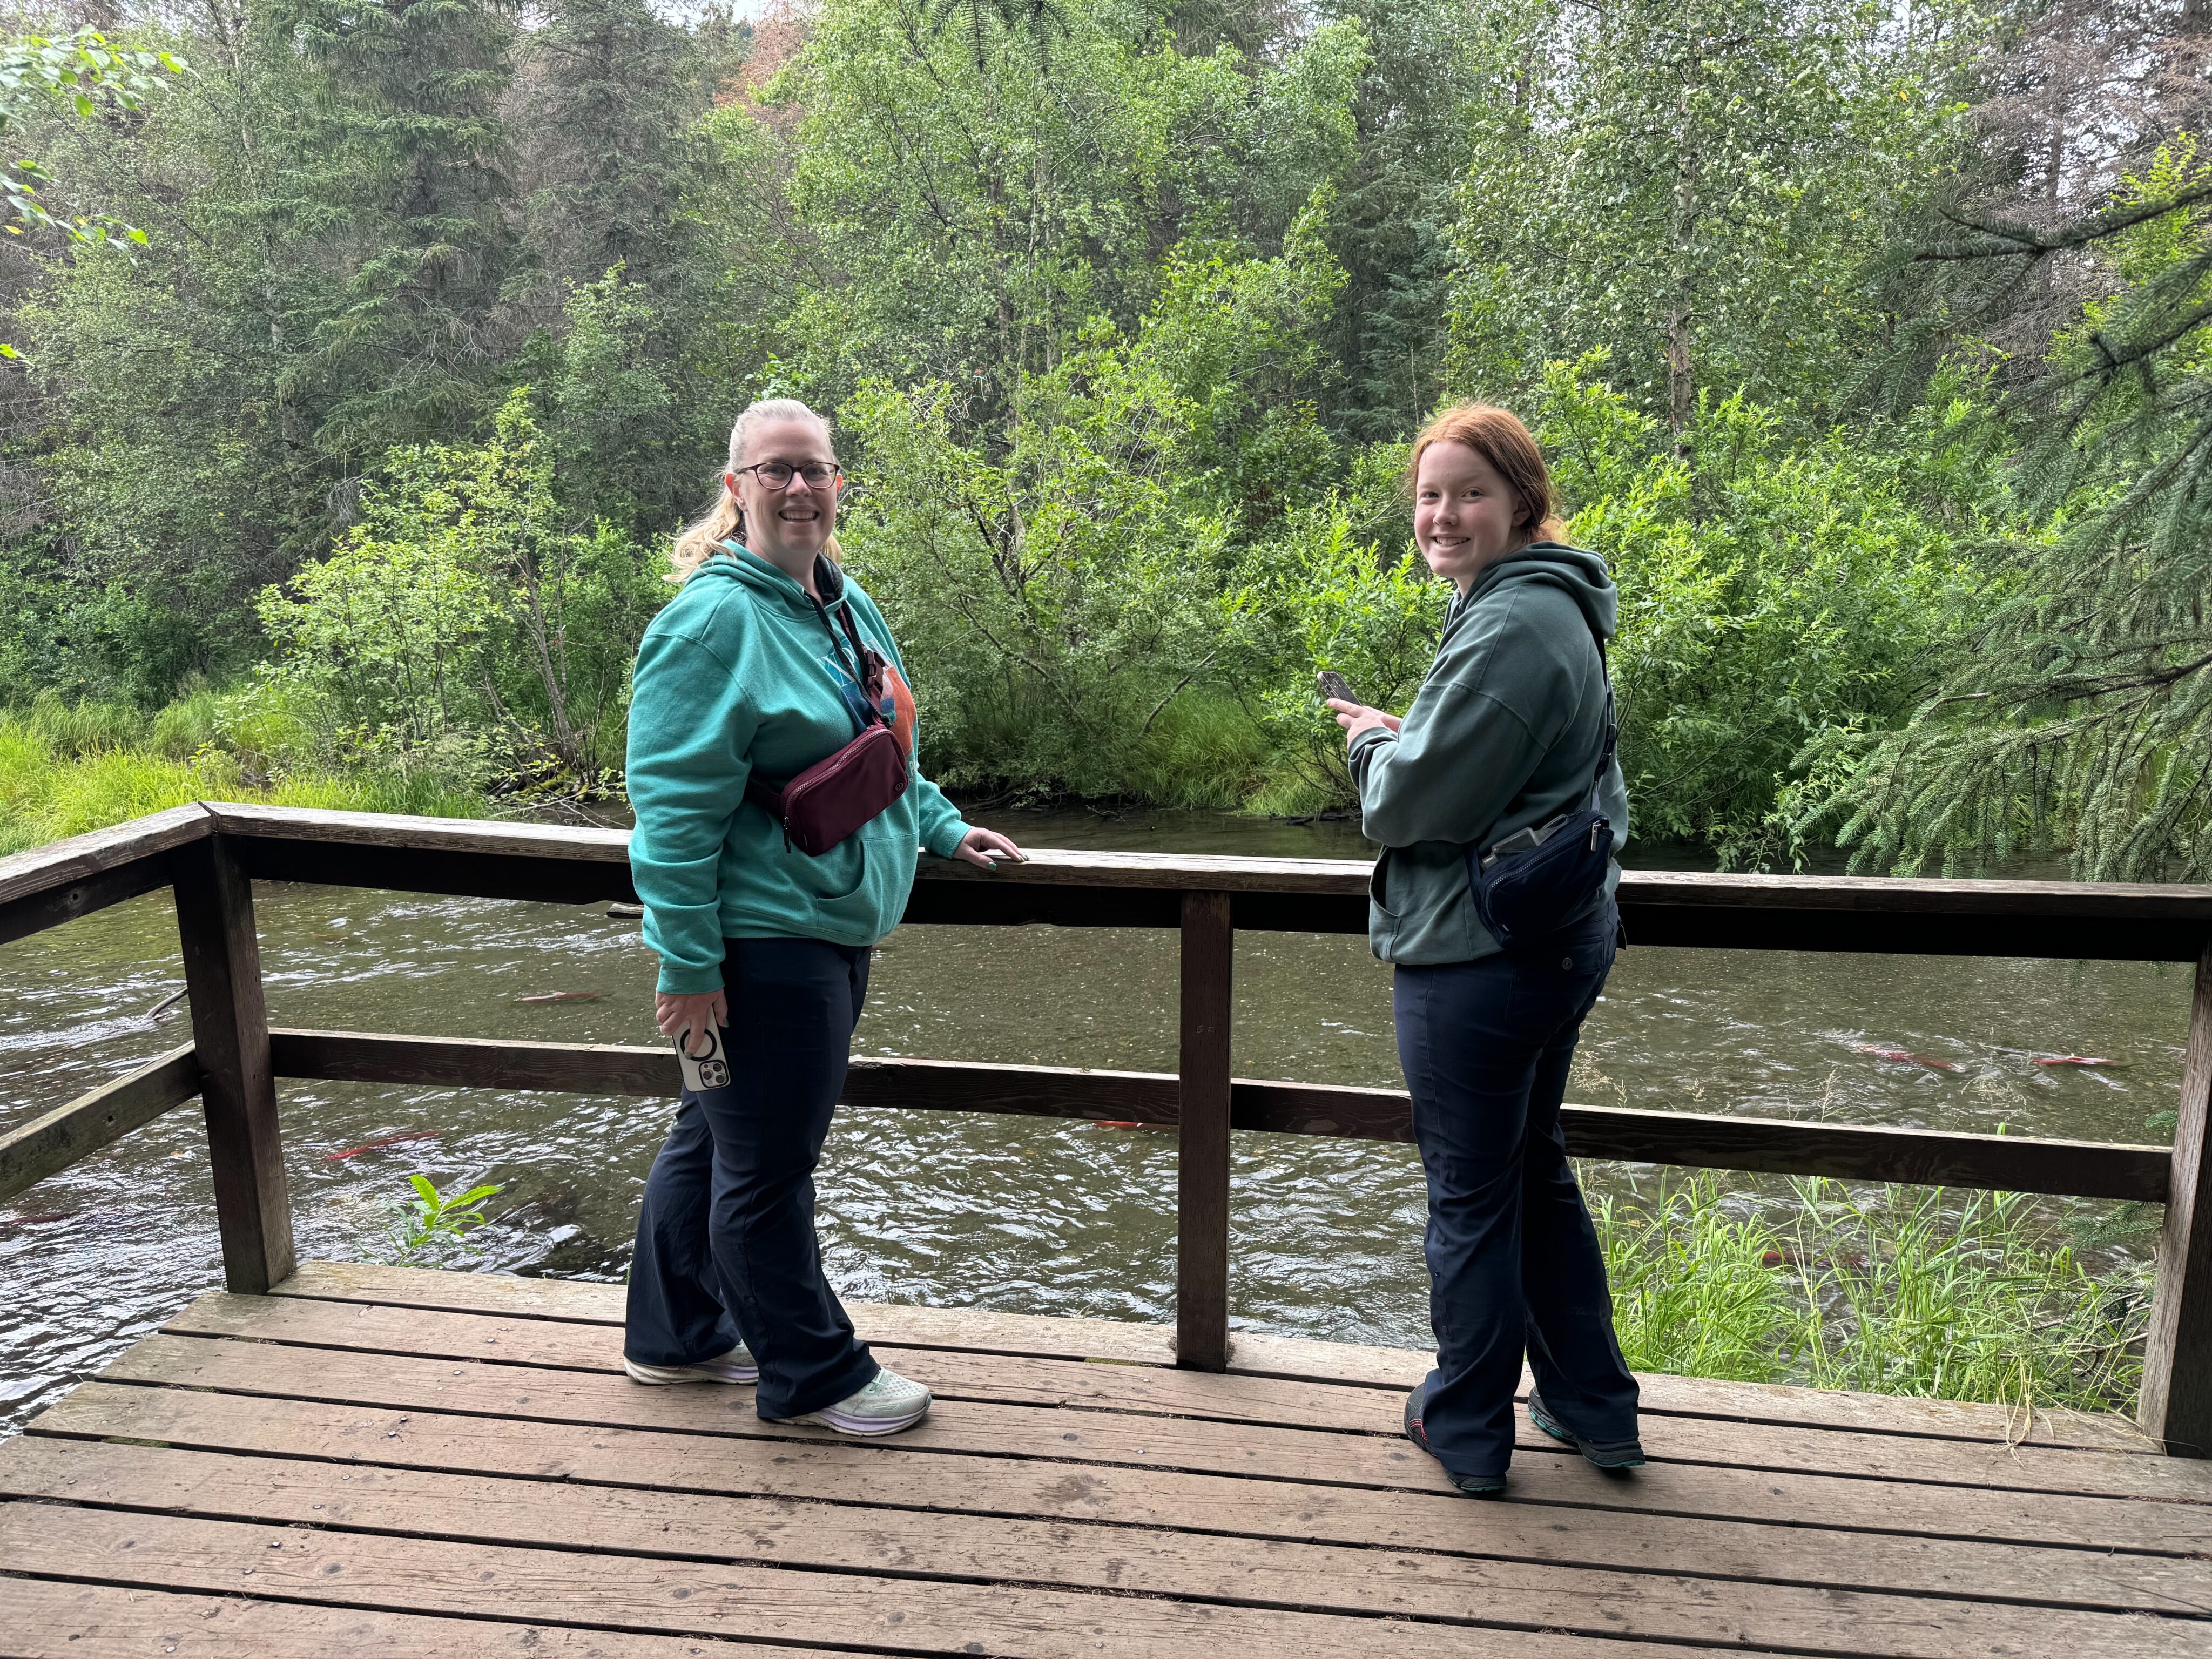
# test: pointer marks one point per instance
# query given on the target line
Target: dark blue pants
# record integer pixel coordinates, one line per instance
(726, 1245)
(1513, 1260)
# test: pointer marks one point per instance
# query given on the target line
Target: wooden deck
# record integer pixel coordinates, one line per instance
(383, 1461)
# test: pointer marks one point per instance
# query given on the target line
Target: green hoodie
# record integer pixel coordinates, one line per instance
(737, 670)
(1505, 734)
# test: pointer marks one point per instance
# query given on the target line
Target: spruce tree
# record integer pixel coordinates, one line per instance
(605, 108)
(2077, 278)
(409, 101)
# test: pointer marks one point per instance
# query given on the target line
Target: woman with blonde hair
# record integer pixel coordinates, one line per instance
(770, 662)
(1508, 747)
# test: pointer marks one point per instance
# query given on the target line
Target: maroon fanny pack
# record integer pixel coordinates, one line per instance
(834, 797)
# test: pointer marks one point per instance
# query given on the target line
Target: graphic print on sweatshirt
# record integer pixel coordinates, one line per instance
(896, 706)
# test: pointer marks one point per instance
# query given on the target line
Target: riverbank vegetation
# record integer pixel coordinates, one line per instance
(66, 769)
(1912, 1291)
(1867, 342)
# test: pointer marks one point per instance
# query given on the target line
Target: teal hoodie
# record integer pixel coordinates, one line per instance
(738, 670)
(1505, 734)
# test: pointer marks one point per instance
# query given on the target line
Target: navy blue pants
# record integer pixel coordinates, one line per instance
(1513, 1260)
(726, 1249)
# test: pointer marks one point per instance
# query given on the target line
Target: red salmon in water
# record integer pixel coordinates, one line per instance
(1909, 1059)
(2075, 1059)
(381, 1140)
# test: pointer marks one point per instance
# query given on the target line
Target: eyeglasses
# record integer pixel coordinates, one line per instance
(778, 475)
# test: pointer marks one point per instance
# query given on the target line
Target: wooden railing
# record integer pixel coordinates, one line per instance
(211, 854)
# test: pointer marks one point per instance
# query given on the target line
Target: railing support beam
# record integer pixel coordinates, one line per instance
(1202, 1128)
(238, 1091)
(2176, 1388)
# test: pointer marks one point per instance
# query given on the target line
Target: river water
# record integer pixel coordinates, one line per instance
(1024, 1215)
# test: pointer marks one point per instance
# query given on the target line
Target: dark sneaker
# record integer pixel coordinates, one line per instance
(1474, 1486)
(1604, 1454)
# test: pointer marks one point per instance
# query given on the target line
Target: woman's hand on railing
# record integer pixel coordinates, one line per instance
(702, 1013)
(978, 847)
(1356, 718)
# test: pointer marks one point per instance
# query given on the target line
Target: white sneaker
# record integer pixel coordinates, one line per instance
(735, 1366)
(889, 1402)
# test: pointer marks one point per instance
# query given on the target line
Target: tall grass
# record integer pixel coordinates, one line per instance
(69, 767)
(1908, 1290)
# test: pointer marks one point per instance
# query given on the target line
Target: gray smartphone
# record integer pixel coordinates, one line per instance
(703, 1071)
(1333, 684)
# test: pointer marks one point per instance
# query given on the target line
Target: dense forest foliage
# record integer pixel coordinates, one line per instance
(365, 354)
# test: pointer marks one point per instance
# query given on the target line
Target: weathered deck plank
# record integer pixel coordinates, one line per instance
(584, 1400)
(1285, 1392)
(1255, 1354)
(1227, 1571)
(652, 1596)
(1377, 1458)
(381, 1458)
(48, 1620)
(1525, 1528)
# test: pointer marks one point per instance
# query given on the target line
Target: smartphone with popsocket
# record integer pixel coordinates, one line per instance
(703, 1071)
(1333, 684)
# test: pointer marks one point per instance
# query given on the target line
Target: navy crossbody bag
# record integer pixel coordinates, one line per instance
(1534, 882)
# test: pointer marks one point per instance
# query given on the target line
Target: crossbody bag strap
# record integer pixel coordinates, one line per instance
(857, 664)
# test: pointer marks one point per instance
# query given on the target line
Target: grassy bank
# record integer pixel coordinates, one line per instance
(67, 768)
(1909, 1290)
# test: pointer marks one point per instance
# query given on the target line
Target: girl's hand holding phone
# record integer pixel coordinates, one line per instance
(1356, 718)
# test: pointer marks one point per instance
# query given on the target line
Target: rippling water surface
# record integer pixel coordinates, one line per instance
(1026, 1215)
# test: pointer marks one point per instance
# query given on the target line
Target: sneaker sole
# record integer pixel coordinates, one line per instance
(845, 1423)
(637, 1373)
(1598, 1462)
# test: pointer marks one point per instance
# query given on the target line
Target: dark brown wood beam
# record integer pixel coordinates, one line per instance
(2177, 1390)
(238, 1091)
(1698, 1139)
(1202, 1121)
(52, 1143)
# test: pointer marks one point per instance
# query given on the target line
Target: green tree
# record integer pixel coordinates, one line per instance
(2079, 716)
(170, 418)
(1692, 188)
(977, 219)
(461, 604)
(408, 101)
(85, 74)
(1417, 111)
(1093, 556)
(605, 107)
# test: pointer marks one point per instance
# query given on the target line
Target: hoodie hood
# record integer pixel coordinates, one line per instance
(1578, 573)
(738, 564)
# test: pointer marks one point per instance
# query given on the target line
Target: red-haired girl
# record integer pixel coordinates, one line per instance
(1511, 734)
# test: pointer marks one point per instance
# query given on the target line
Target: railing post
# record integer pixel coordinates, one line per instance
(2177, 1386)
(230, 1030)
(1202, 1151)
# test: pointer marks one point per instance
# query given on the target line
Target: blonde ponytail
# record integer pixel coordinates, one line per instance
(702, 538)
(699, 540)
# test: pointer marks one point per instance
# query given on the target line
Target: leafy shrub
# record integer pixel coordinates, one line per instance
(1058, 600)
(1769, 591)
(462, 608)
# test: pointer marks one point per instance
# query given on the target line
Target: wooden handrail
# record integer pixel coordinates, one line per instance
(211, 852)
(2019, 1164)
(2070, 921)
